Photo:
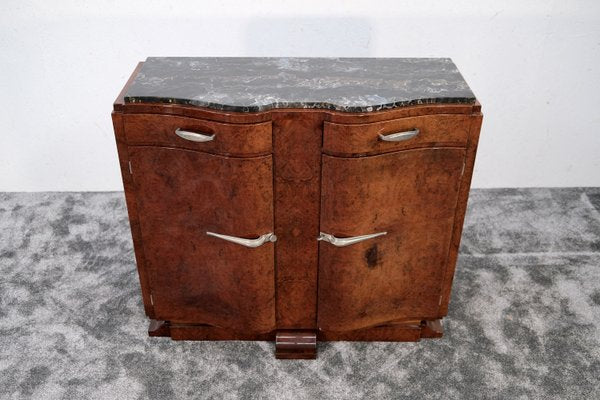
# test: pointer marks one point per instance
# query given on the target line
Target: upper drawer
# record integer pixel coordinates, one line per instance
(433, 131)
(228, 139)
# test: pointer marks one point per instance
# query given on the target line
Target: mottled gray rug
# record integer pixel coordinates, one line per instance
(524, 320)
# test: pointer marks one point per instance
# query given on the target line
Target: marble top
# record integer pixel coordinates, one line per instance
(259, 84)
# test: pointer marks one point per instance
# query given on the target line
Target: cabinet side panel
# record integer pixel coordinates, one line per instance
(132, 211)
(297, 151)
(461, 209)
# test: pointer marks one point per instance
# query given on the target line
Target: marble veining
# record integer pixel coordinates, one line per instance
(260, 84)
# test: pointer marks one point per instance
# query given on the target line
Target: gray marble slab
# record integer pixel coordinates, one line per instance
(259, 84)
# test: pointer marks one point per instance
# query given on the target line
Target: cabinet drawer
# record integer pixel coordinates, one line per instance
(433, 131)
(228, 139)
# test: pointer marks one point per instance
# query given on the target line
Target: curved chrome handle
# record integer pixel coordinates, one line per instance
(341, 242)
(399, 136)
(193, 136)
(267, 237)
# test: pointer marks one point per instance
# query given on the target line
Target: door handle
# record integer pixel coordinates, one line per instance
(399, 136)
(193, 136)
(267, 237)
(341, 242)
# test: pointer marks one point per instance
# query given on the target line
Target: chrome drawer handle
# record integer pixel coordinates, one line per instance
(341, 242)
(193, 136)
(267, 237)
(399, 136)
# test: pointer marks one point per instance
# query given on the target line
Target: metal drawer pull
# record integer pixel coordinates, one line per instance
(341, 242)
(193, 136)
(399, 136)
(267, 237)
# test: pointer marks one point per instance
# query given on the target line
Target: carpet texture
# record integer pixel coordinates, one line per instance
(524, 319)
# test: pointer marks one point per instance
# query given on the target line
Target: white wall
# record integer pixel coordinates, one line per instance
(534, 65)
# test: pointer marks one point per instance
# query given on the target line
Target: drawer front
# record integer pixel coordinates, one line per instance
(197, 134)
(360, 139)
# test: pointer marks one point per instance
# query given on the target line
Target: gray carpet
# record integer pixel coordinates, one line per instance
(524, 320)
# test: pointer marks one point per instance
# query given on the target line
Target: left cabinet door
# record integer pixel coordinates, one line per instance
(196, 278)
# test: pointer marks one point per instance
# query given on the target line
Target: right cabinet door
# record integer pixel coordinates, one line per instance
(412, 196)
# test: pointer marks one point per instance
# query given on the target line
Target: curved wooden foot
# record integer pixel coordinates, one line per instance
(291, 344)
(432, 329)
(159, 328)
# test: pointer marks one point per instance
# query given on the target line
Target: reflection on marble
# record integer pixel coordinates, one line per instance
(259, 84)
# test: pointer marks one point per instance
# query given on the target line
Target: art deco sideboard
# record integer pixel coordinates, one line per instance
(296, 200)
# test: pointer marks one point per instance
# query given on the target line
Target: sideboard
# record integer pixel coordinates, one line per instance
(296, 200)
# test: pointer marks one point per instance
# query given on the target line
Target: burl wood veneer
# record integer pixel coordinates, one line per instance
(296, 200)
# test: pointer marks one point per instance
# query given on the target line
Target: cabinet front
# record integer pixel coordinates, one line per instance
(206, 223)
(386, 225)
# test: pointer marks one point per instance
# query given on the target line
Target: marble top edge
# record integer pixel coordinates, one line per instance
(253, 84)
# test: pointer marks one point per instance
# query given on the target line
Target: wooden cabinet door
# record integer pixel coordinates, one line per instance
(411, 195)
(195, 278)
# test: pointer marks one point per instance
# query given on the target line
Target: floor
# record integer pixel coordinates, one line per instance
(524, 320)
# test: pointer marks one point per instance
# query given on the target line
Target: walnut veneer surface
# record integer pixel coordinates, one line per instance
(305, 149)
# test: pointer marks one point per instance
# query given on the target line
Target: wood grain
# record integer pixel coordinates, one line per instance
(207, 332)
(363, 139)
(196, 278)
(296, 172)
(132, 211)
(240, 140)
(408, 331)
(412, 196)
(297, 190)
(461, 209)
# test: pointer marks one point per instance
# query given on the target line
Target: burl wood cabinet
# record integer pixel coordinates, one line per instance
(296, 200)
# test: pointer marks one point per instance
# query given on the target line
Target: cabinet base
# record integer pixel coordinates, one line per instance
(159, 328)
(177, 331)
(432, 329)
(302, 344)
(406, 331)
